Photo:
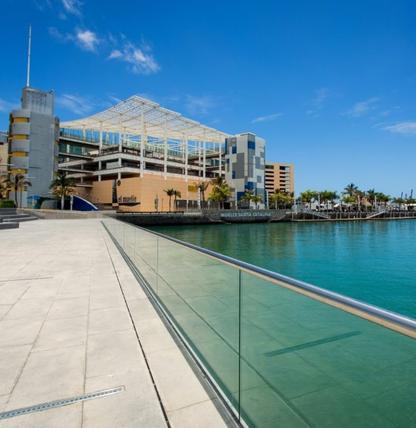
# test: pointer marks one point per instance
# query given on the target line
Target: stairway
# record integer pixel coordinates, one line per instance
(10, 218)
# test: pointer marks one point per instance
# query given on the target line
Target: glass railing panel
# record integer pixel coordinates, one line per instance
(318, 366)
(200, 294)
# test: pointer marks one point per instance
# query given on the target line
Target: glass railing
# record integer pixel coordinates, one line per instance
(281, 353)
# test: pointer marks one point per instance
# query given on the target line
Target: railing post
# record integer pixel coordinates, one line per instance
(239, 345)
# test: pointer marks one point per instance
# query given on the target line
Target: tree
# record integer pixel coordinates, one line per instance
(62, 186)
(6, 186)
(247, 197)
(349, 199)
(280, 198)
(399, 201)
(308, 196)
(328, 196)
(351, 189)
(177, 194)
(256, 199)
(170, 193)
(202, 187)
(20, 184)
(382, 198)
(220, 191)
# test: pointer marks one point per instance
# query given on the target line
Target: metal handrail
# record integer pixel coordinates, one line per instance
(301, 286)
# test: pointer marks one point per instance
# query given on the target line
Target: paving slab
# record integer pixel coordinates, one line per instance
(74, 320)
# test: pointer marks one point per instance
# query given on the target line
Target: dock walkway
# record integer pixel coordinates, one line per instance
(73, 321)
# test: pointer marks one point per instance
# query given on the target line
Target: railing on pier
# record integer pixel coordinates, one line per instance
(280, 352)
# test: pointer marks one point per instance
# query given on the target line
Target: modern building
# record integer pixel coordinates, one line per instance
(245, 161)
(279, 177)
(132, 152)
(4, 153)
(33, 135)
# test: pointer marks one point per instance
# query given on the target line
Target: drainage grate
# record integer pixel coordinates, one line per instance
(60, 403)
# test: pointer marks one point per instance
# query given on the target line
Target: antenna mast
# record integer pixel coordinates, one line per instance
(28, 57)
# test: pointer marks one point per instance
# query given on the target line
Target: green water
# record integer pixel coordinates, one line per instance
(373, 261)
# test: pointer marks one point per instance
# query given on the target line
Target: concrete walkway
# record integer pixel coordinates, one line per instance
(74, 320)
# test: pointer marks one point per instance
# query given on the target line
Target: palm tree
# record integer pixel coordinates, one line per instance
(351, 189)
(62, 186)
(308, 196)
(281, 198)
(220, 191)
(247, 197)
(6, 186)
(170, 192)
(176, 194)
(328, 196)
(20, 184)
(218, 181)
(256, 199)
(203, 186)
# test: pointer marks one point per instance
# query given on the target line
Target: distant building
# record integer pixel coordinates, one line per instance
(33, 136)
(279, 176)
(244, 164)
(4, 153)
(132, 152)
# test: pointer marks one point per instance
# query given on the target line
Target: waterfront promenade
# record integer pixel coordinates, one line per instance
(74, 320)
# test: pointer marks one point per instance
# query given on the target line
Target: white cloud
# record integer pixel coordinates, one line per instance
(115, 54)
(362, 108)
(87, 39)
(6, 106)
(75, 104)
(139, 58)
(72, 6)
(404, 128)
(84, 38)
(267, 118)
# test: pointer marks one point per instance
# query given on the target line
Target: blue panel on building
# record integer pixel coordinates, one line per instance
(234, 149)
(233, 175)
(249, 186)
(240, 195)
(251, 145)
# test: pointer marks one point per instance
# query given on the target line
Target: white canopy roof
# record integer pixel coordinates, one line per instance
(138, 116)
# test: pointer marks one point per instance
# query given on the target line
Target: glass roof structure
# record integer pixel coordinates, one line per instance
(140, 116)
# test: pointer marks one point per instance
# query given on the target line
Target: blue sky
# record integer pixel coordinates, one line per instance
(329, 84)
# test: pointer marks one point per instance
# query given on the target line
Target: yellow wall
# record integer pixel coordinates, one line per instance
(145, 189)
(3, 158)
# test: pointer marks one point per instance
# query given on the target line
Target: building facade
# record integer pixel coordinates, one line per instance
(279, 177)
(33, 135)
(131, 153)
(245, 165)
(4, 153)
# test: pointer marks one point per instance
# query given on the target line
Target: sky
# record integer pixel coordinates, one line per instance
(329, 84)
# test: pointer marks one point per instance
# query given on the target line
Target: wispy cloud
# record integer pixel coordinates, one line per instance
(318, 101)
(267, 118)
(6, 106)
(404, 128)
(72, 7)
(362, 108)
(84, 38)
(87, 39)
(200, 104)
(139, 58)
(76, 104)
